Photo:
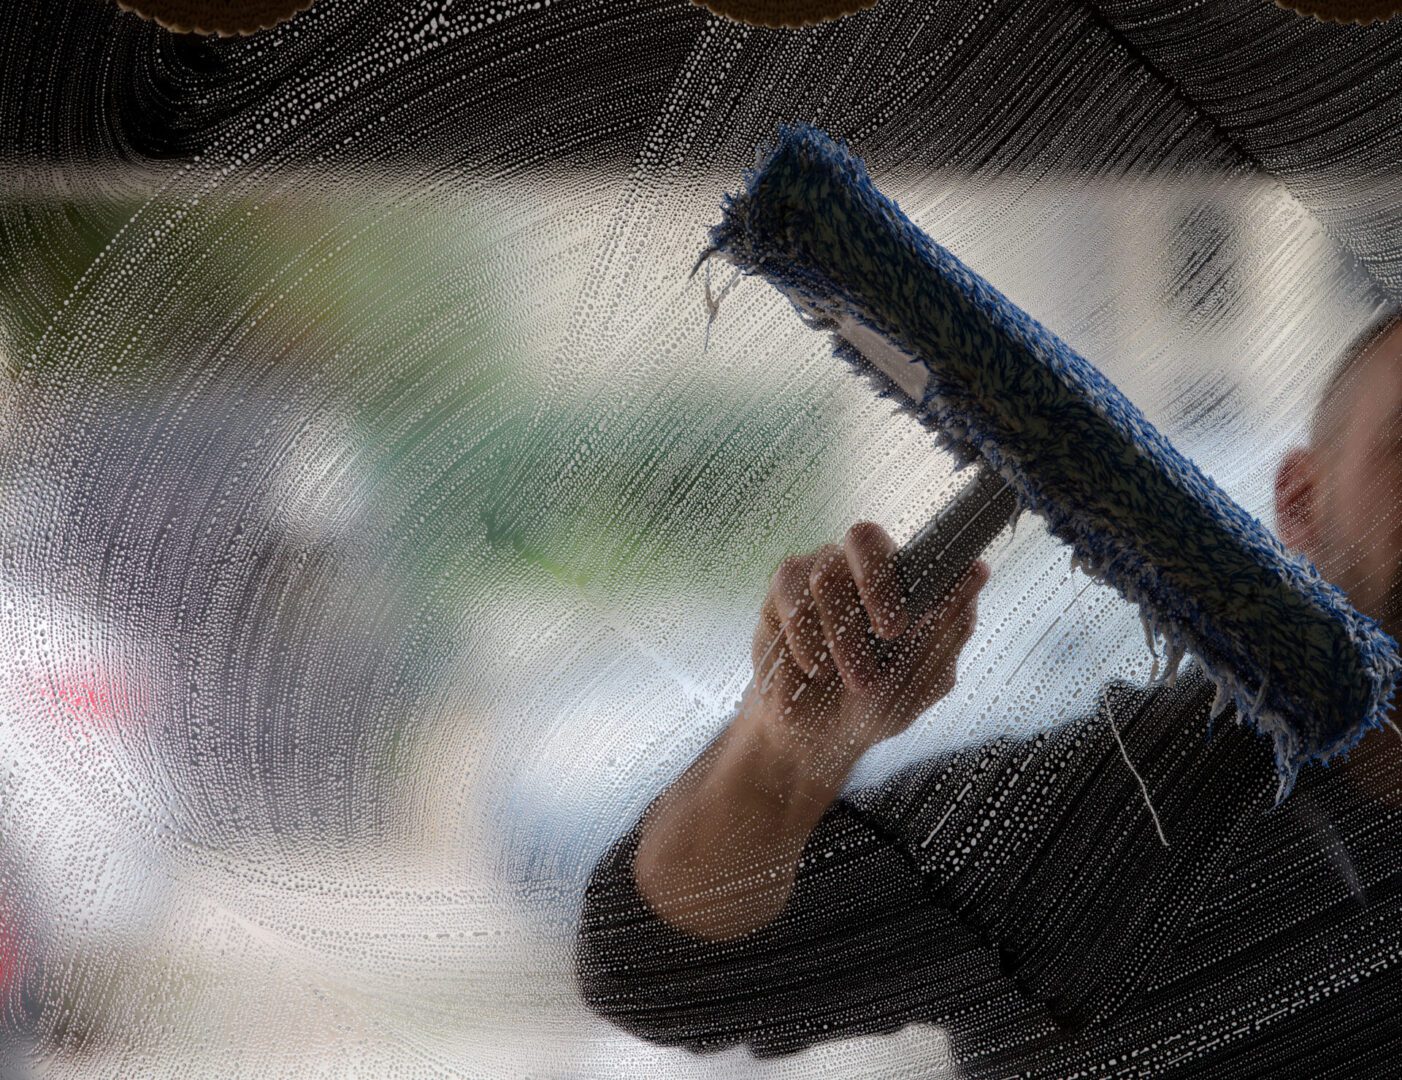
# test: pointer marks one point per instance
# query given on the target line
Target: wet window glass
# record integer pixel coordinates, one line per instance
(401, 533)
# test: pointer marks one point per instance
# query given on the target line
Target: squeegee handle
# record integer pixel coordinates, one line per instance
(936, 558)
(932, 563)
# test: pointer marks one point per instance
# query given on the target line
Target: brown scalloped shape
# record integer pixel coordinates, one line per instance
(784, 14)
(1344, 11)
(223, 17)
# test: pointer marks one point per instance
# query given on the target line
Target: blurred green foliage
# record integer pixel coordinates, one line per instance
(389, 307)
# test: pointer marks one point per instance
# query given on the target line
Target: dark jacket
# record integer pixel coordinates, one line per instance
(1018, 895)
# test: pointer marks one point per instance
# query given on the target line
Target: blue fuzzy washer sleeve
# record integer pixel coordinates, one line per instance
(1281, 643)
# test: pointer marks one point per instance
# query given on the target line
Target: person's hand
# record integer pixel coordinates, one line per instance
(840, 664)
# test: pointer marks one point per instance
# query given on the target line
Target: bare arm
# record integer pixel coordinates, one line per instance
(717, 852)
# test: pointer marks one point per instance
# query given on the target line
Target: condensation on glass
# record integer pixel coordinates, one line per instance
(384, 515)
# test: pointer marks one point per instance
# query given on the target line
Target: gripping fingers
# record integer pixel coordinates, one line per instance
(871, 555)
(937, 638)
(776, 676)
(793, 604)
(845, 624)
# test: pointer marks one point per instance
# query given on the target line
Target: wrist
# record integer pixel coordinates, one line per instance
(784, 764)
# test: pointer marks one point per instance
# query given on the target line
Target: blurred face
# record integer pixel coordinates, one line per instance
(1356, 510)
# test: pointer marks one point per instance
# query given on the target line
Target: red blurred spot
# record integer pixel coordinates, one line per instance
(81, 706)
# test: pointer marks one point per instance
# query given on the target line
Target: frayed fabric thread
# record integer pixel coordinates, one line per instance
(1143, 787)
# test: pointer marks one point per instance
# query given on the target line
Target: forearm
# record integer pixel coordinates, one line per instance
(718, 850)
(837, 961)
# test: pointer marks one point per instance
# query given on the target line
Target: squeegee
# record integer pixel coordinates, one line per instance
(1044, 431)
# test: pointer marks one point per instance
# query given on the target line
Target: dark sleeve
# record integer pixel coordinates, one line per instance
(860, 948)
(1008, 892)
(1050, 849)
